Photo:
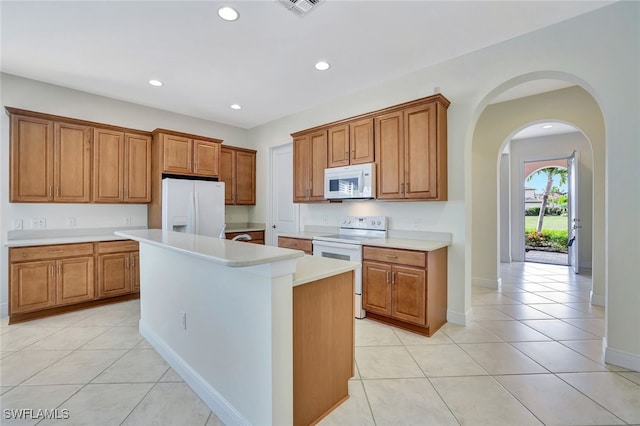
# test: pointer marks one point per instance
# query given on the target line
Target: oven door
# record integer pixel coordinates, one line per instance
(344, 251)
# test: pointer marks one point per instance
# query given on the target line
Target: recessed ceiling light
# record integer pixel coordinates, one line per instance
(322, 66)
(228, 13)
(156, 83)
(236, 106)
(547, 126)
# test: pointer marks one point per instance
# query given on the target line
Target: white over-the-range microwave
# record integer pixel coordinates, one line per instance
(350, 182)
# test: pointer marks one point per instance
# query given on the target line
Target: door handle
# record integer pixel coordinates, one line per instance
(273, 226)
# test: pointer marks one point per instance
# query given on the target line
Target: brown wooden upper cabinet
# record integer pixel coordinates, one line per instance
(309, 162)
(185, 155)
(411, 151)
(121, 167)
(238, 172)
(351, 143)
(50, 161)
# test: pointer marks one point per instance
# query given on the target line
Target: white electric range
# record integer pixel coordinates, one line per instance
(347, 245)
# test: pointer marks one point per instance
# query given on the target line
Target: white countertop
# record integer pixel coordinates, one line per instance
(61, 236)
(304, 235)
(313, 268)
(225, 252)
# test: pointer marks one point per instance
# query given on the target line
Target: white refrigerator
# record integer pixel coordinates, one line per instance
(193, 206)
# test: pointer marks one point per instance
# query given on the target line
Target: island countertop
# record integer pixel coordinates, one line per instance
(224, 252)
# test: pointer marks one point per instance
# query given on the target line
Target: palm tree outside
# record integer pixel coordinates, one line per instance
(551, 173)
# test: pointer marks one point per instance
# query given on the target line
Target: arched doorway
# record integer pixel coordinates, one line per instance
(495, 126)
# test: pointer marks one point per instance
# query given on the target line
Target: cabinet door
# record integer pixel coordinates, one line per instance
(31, 155)
(137, 161)
(206, 158)
(135, 271)
(301, 168)
(409, 294)
(177, 154)
(318, 164)
(376, 287)
(32, 286)
(75, 280)
(245, 178)
(421, 152)
(389, 135)
(72, 163)
(361, 141)
(108, 166)
(338, 145)
(227, 173)
(113, 274)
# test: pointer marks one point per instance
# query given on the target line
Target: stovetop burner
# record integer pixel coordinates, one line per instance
(355, 229)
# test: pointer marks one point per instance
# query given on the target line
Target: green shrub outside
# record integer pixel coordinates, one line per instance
(549, 211)
(553, 239)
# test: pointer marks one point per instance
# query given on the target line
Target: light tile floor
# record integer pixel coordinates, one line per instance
(533, 355)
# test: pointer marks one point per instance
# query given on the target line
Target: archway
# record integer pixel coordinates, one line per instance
(496, 125)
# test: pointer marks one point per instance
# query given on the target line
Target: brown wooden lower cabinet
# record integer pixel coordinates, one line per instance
(405, 288)
(49, 279)
(323, 346)
(296, 244)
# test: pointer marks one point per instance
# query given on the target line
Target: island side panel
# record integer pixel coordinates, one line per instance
(225, 352)
(323, 346)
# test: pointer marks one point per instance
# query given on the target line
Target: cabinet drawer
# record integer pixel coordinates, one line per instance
(117, 246)
(21, 254)
(255, 235)
(403, 257)
(296, 244)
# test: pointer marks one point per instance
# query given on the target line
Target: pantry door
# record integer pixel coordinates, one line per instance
(284, 214)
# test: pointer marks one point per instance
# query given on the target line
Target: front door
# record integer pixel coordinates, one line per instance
(574, 218)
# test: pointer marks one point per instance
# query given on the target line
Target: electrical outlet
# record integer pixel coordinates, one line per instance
(71, 222)
(127, 220)
(38, 223)
(17, 224)
(183, 319)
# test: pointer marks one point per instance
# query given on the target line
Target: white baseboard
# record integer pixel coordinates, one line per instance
(216, 402)
(622, 359)
(460, 318)
(598, 300)
(483, 282)
(4, 310)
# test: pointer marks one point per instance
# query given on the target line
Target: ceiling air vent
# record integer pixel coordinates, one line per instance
(300, 7)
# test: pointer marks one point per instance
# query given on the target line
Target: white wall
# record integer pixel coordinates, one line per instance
(605, 62)
(543, 148)
(37, 96)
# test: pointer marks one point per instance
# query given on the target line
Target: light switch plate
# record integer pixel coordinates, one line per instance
(17, 224)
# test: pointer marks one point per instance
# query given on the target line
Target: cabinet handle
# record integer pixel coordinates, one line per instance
(391, 256)
(126, 262)
(51, 191)
(393, 278)
(353, 155)
(346, 154)
(55, 251)
(130, 246)
(387, 281)
(57, 191)
(133, 262)
(402, 187)
(51, 270)
(408, 190)
(59, 270)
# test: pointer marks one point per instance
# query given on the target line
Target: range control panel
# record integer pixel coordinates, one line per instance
(374, 223)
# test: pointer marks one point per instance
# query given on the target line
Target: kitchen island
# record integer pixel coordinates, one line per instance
(264, 335)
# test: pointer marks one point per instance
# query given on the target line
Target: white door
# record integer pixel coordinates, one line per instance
(209, 208)
(574, 218)
(284, 213)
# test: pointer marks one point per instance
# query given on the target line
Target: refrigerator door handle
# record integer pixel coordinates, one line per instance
(196, 209)
(191, 219)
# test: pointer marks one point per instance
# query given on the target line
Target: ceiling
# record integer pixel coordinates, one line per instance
(264, 61)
